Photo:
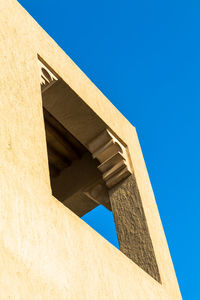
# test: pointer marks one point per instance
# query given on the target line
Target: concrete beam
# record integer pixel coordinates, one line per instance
(80, 186)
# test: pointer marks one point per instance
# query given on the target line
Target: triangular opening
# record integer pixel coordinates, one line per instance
(102, 221)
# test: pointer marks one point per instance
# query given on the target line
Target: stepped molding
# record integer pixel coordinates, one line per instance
(112, 156)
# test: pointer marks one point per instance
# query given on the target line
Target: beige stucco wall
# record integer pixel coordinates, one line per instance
(47, 252)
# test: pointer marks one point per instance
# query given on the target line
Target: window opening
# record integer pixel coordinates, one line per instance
(85, 177)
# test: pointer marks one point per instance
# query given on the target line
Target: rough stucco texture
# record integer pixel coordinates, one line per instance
(132, 230)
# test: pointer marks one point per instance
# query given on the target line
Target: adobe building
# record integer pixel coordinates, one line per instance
(64, 150)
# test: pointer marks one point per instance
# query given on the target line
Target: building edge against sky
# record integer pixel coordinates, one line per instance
(48, 252)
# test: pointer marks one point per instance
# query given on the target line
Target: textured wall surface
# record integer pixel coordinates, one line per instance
(132, 229)
(47, 252)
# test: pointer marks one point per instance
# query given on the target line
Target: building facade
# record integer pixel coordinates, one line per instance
(65, 149)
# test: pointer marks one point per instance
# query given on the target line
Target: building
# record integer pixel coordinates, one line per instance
(64, 150)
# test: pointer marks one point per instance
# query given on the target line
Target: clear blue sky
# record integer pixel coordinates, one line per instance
(145, 57)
